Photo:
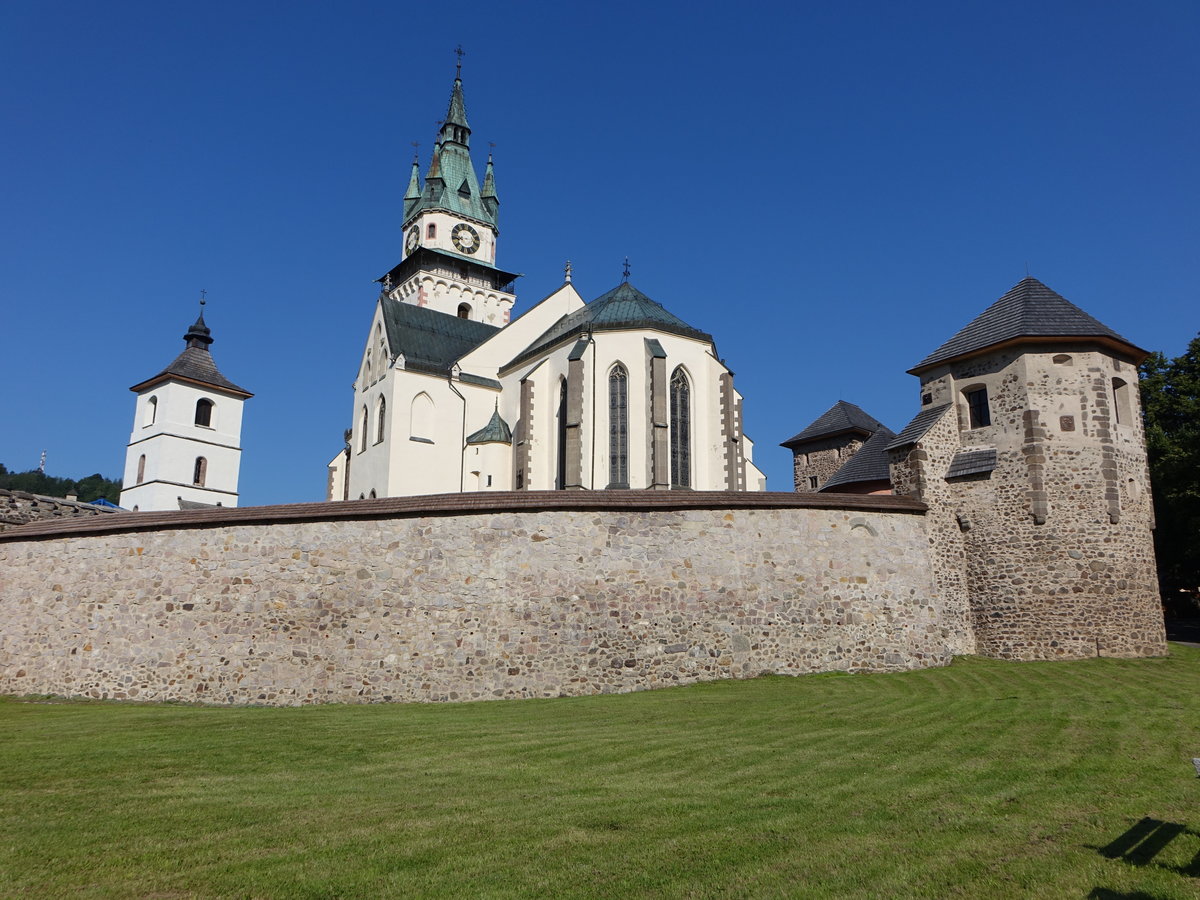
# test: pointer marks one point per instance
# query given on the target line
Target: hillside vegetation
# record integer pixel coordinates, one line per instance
(983, 779)
(93, 487)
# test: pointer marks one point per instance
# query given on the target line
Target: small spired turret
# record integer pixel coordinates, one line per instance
(185, 450)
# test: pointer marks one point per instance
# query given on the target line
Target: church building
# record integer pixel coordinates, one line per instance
(454, 395)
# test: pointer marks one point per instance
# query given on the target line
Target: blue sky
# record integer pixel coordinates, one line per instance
(830, 189)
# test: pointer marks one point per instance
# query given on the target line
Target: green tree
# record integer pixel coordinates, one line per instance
(93, 487)
(1171, 407)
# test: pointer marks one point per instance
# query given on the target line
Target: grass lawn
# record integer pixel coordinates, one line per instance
(984, 779)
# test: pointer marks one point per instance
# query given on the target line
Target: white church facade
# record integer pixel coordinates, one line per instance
(452, 396)
(185, 449)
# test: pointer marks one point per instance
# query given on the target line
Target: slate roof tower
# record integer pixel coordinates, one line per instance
(1030, 452)
(185, 449)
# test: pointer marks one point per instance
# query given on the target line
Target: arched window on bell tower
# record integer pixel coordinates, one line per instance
(204, 411)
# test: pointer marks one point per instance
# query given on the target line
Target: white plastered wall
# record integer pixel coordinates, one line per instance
(172, 442)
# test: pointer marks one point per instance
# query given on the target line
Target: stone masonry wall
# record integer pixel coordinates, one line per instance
(821, 458)
(1058, 537)
(380, 601)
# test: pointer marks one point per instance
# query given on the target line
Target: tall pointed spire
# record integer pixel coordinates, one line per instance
(488, 194)
(414, 182)
(454, 126)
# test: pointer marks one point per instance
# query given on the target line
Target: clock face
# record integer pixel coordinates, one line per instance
(465, 238)
(410, 242)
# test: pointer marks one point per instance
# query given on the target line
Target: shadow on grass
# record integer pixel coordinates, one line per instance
(1141, 843)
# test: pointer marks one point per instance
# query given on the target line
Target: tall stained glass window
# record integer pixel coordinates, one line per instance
(618, 427)
(681, 430)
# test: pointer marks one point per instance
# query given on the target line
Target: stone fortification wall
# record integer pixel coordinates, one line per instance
(468, 597)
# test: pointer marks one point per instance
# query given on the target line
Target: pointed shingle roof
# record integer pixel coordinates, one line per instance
(495, 431)
(1029, 310)
(195, 364)
(841, 418)
(870, 463)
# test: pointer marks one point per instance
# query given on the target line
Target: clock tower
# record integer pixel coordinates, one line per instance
(450, 229)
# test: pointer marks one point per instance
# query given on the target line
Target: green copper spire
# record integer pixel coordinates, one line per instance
(455, 127)
(490, 201)
(414, 183)
(451, 184)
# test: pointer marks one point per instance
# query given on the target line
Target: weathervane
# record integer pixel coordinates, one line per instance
(416, 147)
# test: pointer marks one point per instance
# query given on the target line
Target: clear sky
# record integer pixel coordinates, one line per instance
(830, 189)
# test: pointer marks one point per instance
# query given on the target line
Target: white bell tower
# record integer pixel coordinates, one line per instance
(185, 450)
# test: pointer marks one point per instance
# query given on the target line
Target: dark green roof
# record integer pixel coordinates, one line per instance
(495, 431)
(451, 184)
(1029, 310)
(621, 309)
(431, 341)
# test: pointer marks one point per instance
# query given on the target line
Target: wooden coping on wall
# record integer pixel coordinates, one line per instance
(480, 503)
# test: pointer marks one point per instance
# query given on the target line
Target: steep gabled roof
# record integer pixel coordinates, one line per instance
(195, 364)
(918, 427)
(870, 463)
(431, 341)
(621, 309)
(1029, 310)
(841, 418)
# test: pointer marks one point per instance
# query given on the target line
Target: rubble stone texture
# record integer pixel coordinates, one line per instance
(466, 606)
(1056, 542)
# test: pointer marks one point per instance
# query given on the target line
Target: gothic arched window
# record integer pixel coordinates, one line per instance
(362, 431)
(204, 408)
(464, 310)
(681, 430)
(141, 473)
(618, 427)
(560, 479)
(381, 418)
(200, 471)
(151, 411)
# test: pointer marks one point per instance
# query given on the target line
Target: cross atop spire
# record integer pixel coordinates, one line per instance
(460, 53)
(625, 277)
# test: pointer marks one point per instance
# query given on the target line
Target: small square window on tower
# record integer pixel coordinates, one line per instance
(979, 414)
(812, 482)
